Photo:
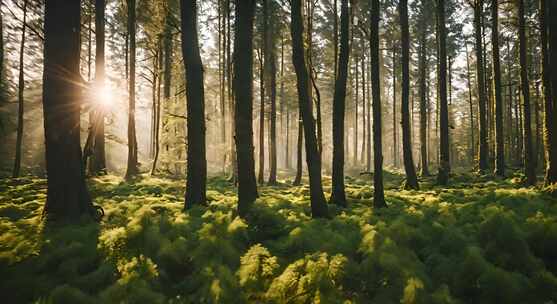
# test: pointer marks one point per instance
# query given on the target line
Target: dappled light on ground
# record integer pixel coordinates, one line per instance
(476, 241)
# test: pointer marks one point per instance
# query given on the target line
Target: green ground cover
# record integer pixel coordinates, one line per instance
(477, 241)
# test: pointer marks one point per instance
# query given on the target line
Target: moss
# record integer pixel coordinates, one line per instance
(474, 242)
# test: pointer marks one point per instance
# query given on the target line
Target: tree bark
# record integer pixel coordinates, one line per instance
(271, 71)
(132, 168)
(313, 157)
(67, 194)
(529, 167)
(338, 195)
(378, 191)
(444, 154)
(548, 24)
(298, 177)
(196, 175)
(243, 95)
(20, 99)
(484, 148)
(261, 172)
(424, 163)
(499, 136)
(98, 159)
(411, 178)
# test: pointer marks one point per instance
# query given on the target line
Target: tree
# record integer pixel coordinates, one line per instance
(444, 153)
(271, 72)
(378, 191)
(21, 89)
(132, 169)
(411, 178)
(529, 167)
(422, 26)
(67, 193)
(98, 159)
(313, 156)
(499, 136)
(480, 76)
(548, 41)
(338, 195)
(196, 178)
(243, 95)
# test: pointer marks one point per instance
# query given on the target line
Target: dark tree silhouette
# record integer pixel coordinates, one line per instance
(67, 194)
(338, 195)
(444, 155)
(196, 179)
(411, 178)
(378, 191)
(548, 25)
(243, 96)
(529, 159)
(499, 136)
(132, 169)
(313, 156)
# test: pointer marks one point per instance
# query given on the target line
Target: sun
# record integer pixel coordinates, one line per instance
(103, 96)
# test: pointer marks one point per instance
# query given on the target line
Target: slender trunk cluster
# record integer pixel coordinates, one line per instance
(313, 156)
(444, 153)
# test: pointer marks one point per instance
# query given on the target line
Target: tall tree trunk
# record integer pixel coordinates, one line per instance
(196, 175)
(444, 155)
(20, 91)
(470, 104)
(298, 177)
(368, 121)
(423, 104)
(395, 127)
(261, 119)
(243, 95)
(411, 178)
(67, 194)
(356, 92)
(549, 81)
(157, 66)
(132, 169)
(3, 85)
(529, 167)
(313, 157)
(98, 159)
(484, 148)
(499, 136)
(378, 191)
(363, 105)
(271, 71)
(338, 195)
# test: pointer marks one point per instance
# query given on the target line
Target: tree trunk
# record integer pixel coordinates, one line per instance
(395, 127)
(261, 120)
(549, 78)
(271, 71)
(98, 159)
(298, 177)
(423, 104)
(378, 192)
(196, 175)
(529, 168)
(356, 93)
(338, 195)
(20, 101)
(243, 95)
(363, 106)
(483, 151)
(499, 136)
(132, 168)
(411, 178)
(470, 104)
(67, 194)
(444, 155)
(313, 157)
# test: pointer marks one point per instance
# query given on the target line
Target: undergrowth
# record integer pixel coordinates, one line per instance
(478, 241)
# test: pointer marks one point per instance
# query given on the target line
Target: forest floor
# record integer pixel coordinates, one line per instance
(477, 241)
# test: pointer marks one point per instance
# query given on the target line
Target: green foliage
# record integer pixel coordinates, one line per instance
(476, 242)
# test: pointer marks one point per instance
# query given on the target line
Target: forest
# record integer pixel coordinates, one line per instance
(278, 151)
